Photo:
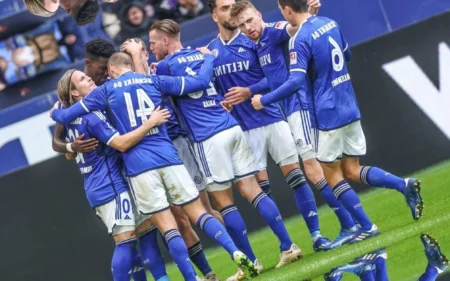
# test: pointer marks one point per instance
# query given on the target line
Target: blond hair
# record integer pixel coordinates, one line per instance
(137, 40)
(65, 86)
(240, 7)
(168, 27)
(37, 7)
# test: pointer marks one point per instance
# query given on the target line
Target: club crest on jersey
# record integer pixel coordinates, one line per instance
(293, 57)
(215, 52)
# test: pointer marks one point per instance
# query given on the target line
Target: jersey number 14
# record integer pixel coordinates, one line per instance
(146, 108)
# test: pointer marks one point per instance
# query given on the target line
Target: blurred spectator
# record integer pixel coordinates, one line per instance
(26, 55)
(81, 35)
(181, 10)
(127, 19)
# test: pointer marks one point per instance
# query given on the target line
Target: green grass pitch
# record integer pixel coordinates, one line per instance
(386, 208)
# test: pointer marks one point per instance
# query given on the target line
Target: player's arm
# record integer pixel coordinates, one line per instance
(237, 95)
(79, 145)
(133, 48)
(94, 101)
(177, 86)
(299, 58)
(101, 129)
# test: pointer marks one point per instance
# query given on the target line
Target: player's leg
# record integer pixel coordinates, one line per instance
(437, 261)
(157, 205)
(192, 241)
(256, 138)
(152, 258)
(204, 197)
(305, 141)
(330, 148)
(282, 148)
(216, 165)
(118, 217)
(243, 169)
(191, 162)
(355, 146)
(182, 192)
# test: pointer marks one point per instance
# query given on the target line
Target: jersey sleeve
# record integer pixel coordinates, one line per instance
(100, 128)
(299, 54)
(345, 46)
(162, 68)
(260, 87)
(96, 100)
(177, 86)
(277, 32)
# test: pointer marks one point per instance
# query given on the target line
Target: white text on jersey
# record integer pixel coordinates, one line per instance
(131, 81)
(340, 79)
(265, 60)
(323, 29)
(231, 67)
(192, 58)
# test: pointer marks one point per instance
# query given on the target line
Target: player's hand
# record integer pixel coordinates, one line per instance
(204, 51)
(55, 106)
(226, 106)
(237, 95)
(159, 116)
(153, 68)
(256, 102)
(314, 6)
(131, 47)
(80, 145)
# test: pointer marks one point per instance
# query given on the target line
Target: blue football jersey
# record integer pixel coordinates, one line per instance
(272, 60)
(320, 50)
(200, 112)
(100, 168)
(237, 65)
(173, 125)
(129, 101)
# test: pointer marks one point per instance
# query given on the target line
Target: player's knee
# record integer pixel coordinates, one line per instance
(351, 172)
(124, 236)
(313, 170)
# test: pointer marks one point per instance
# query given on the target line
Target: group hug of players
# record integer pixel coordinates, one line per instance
(155, 142)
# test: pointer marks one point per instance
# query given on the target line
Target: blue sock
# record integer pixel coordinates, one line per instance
(344, 217)
(269, 211)
(367, 276)
(179, 253)
(347, 196)
(265, 186)
(216, 231)
(381, 270)
(430, 274)
(151, 255)
(304, 198)
(237, 230)
(138, 266)
(198, 257)
(122, 263)
(377, 177)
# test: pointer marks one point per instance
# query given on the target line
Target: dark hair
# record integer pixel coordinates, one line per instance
(212, 4)
(87, 13)
(166, 26)
(298, 6)
(99, 48)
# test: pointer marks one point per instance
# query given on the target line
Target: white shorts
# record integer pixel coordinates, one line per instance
(118, 214)
(155, 190)
(225, 157)
(300, 124)
(346, 141)
(190, 160)
(274, 139)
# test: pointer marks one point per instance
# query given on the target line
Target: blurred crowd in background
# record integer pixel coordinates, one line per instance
(57, 43)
